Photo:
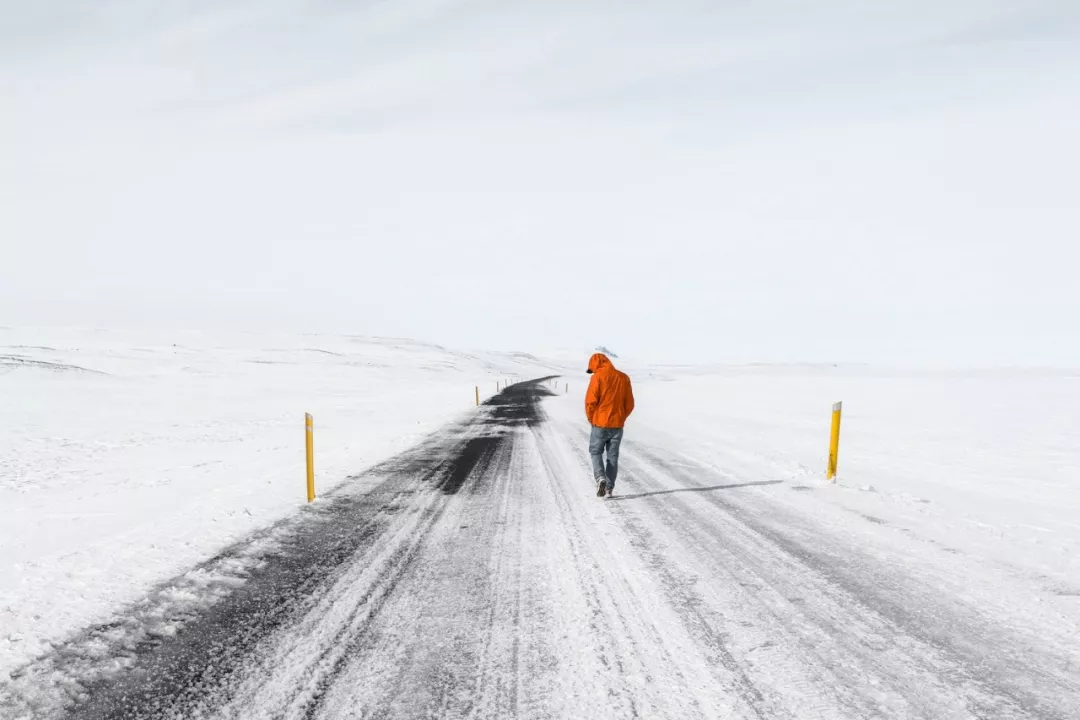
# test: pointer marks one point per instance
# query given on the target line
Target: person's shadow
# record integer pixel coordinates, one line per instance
(696, 489)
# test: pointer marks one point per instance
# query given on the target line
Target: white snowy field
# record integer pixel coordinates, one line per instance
(127, 457)
(983, 462)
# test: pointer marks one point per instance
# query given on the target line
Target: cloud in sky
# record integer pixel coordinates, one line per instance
(682, 180)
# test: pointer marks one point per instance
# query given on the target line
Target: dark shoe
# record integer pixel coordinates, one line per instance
(601, 488)
(610, 491)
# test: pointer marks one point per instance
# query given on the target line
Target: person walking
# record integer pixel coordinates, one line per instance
(608, 403)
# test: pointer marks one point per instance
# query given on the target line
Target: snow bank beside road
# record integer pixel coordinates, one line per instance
(986, 463)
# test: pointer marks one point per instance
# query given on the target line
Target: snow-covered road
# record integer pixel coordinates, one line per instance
(477, 575)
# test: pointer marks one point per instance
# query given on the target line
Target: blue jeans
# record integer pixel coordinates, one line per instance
(601, 440)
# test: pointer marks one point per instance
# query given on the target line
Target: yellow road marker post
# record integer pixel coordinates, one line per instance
(309, 437)
(834, 441)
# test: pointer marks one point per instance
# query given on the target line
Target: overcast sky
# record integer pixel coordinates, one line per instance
(779, 180)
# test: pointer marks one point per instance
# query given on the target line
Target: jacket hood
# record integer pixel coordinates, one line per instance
(597, 361)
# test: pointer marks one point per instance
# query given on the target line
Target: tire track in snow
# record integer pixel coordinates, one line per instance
(996, 673)
(415, 645)
(746, 575)
(861, 609)
(635, 630)
(700, 616)
(477, 458)
(499, 669)
(585, 570)
(448, 643)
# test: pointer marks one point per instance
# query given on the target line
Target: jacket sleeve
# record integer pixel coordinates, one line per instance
(629, 397)
(592, 398)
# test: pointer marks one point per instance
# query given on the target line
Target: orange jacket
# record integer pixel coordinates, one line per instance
(610, 399)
